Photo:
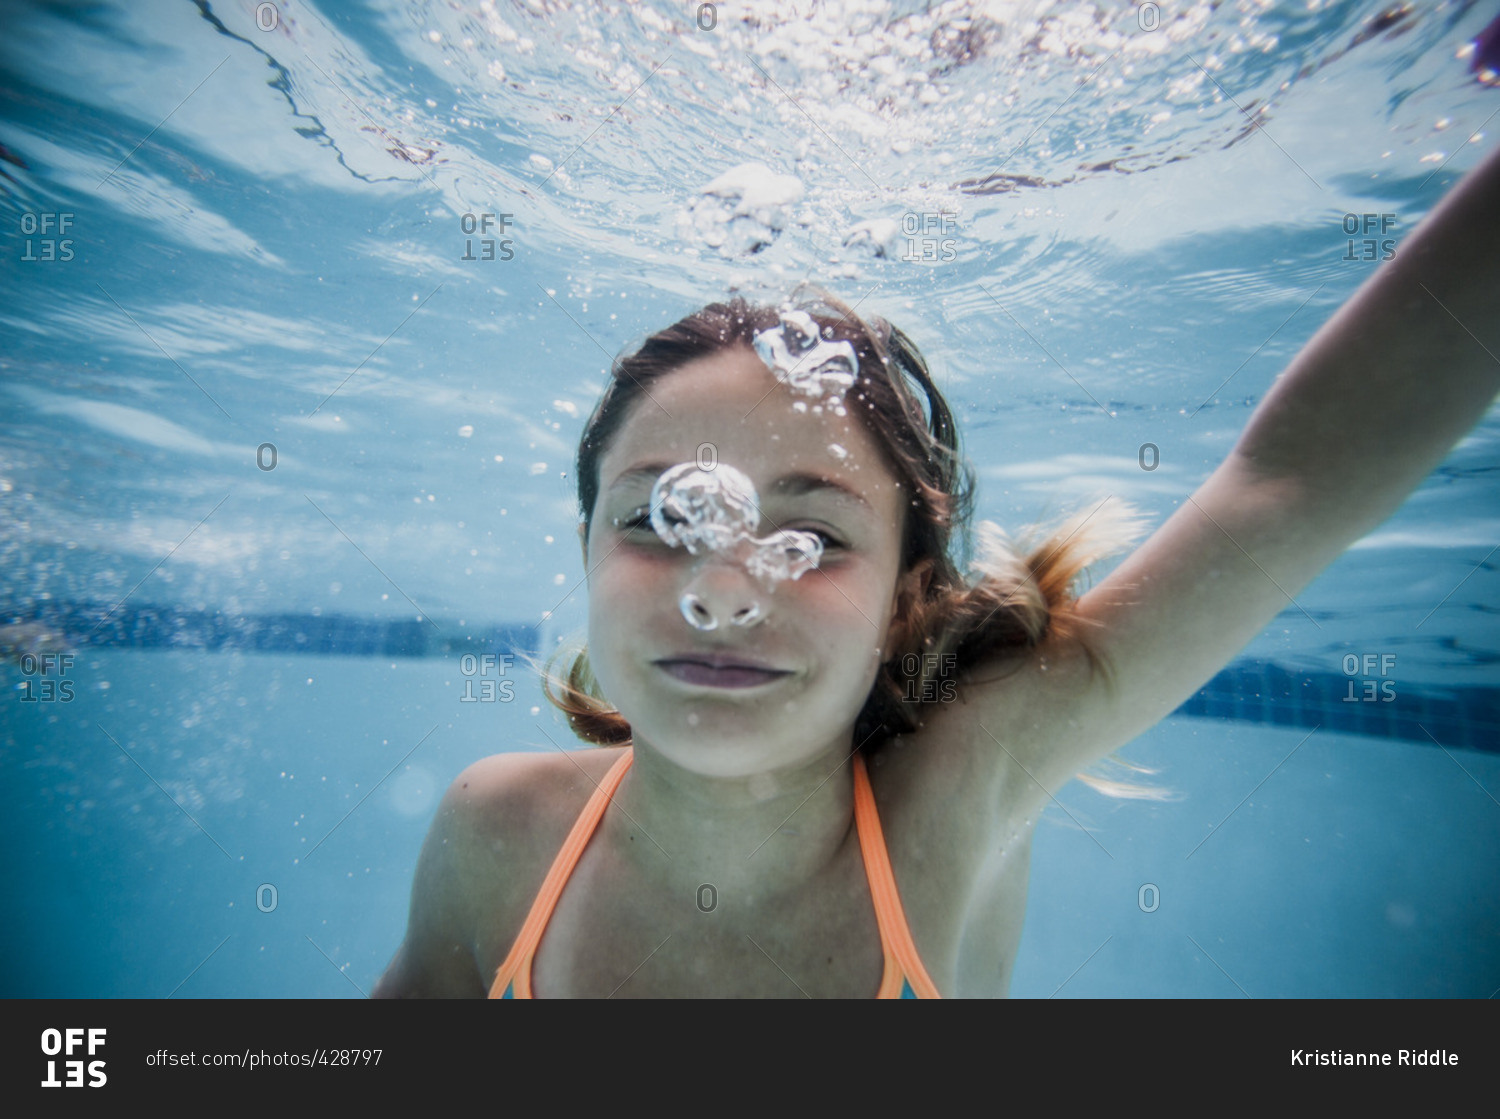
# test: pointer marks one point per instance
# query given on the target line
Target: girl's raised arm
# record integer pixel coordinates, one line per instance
(1368, 408)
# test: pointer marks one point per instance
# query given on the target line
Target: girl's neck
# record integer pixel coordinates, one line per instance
(762, 835)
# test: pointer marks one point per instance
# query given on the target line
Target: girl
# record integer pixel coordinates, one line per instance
(824, 746)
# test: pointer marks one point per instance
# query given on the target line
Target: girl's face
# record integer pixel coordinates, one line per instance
(743, 700)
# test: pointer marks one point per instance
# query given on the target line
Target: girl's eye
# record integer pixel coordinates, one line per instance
(638, 522)
(830, 541)
(635, 519)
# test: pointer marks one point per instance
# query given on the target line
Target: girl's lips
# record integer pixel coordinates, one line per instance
(714, 672)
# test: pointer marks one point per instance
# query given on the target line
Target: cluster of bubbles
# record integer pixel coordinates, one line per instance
(806, 362)
(742, 211)
(716, 512)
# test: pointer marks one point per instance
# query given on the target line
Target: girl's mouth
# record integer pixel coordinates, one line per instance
(719, 672)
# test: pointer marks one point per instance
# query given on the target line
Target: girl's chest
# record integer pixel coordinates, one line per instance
(956, 855)
(611, 934)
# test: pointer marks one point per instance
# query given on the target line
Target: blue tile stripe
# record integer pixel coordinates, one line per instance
(78, 625)
(1248, 691)
(1252, 691)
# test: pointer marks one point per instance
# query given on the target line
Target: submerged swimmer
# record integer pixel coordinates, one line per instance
(781, 808)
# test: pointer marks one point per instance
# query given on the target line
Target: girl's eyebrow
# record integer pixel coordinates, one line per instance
(795, 485)
(646, 473)
(788, 485)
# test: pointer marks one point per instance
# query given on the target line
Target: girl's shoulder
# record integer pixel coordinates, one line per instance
(505, 817)
(492, 840)
(524, 792)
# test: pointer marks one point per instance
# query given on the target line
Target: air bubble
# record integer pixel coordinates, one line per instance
(718, 511)
(805, 361)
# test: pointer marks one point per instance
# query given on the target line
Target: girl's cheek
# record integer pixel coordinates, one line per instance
(634, 583)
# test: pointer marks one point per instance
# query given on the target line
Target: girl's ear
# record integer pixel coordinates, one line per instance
(911, 589)
(912, 586)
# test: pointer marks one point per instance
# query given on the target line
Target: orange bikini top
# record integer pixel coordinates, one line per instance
(904, 976)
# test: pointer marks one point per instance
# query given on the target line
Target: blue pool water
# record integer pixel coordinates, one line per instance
(304, 307)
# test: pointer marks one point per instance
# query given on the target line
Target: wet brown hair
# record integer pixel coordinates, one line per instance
(955, 623)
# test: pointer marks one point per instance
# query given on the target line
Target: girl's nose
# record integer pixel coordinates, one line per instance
(721, 594)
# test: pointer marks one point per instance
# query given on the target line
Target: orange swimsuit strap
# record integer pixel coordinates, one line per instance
(517, 965)
(900, 950)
